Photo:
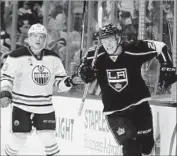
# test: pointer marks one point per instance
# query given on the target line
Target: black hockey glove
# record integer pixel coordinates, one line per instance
(74, 80)
(67, 82)
(167, 76)
(5, 99)
(86, 73)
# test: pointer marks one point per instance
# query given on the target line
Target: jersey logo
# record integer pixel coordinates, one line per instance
(41, 75)
(117, 78)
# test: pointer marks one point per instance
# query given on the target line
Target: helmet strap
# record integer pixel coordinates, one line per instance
(114, 53)
(118, 44)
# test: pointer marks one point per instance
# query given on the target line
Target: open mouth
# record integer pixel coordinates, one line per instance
(110, 48)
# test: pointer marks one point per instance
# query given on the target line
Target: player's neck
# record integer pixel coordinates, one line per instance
(35, 52)
(117, 52)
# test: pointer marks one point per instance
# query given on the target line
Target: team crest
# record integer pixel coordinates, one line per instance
(117, 78)
(41, 75)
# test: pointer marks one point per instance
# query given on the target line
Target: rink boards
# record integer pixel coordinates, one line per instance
(89, 134)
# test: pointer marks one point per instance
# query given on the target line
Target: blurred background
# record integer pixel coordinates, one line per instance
(71, 25)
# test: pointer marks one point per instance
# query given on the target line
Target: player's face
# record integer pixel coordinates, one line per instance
(110, 44)
(37, 40)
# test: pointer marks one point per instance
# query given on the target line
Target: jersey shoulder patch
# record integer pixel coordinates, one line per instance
(138, 46)
(48, 52)
(19, 52)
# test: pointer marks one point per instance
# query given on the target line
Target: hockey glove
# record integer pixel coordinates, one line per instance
(5, 101)
(68, 82)
(167, 76)
(5, 98)
(86, 73)
(74, 80)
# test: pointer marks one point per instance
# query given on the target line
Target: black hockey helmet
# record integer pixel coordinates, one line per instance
(109, 30)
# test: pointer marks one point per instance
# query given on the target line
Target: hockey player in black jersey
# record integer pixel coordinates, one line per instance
(124, 92)
(27, 79)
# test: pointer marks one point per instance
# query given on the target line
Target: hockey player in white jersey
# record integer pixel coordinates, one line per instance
(27, 80)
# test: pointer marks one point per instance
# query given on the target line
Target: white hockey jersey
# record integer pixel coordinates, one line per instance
(30, 79)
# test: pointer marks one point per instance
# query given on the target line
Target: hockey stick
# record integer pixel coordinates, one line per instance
(82, 31)
(100, 11)
(172, 140)
(88, 85)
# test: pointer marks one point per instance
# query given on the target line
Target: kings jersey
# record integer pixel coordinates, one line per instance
(31, 78)
(120, 77)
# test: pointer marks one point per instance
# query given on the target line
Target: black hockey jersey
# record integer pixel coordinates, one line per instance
(121, 81)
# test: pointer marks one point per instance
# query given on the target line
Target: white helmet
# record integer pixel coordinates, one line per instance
(37, 28)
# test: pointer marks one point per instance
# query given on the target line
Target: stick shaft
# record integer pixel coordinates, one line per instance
(100, 13)
(83, 29)
(83, 99)
(87, 85)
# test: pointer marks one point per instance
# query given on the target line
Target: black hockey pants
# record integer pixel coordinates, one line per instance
(133, 129)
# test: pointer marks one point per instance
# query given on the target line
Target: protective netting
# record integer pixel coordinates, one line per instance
(150, 73)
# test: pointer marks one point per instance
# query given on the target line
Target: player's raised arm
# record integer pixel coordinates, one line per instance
(141, 51)
(144, 50)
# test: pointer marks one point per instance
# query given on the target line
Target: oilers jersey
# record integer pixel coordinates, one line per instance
(120, 77)
(31, 78)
